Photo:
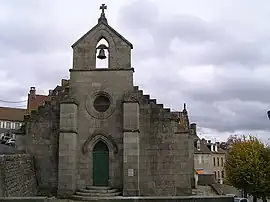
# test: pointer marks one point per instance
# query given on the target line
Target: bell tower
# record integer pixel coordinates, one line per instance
(88, 49)
(97, 115)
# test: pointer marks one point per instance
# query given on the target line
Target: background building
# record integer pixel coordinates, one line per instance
(35, 100)
(209, 158)
(11, 119)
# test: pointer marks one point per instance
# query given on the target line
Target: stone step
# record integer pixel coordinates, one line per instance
(153, 101)
(97, 194)
(136, 87)
(140, 92)
(91, 198)
(97, 190)
(167, 109)
(160, 106)
(147, 97)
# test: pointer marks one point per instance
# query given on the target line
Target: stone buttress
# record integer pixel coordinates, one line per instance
(131, 145)
(67, 168)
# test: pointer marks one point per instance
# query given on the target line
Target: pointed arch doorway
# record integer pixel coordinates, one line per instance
(100, 164)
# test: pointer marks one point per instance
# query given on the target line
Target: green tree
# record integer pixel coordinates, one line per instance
(266, 180)
(247, 166)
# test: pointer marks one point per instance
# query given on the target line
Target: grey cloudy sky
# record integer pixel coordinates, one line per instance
(213, 55)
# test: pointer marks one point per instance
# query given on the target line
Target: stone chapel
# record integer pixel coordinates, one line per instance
(99, 131)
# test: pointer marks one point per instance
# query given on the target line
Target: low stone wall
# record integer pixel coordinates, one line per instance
(127, 199)
(17, 175)
(206, 179)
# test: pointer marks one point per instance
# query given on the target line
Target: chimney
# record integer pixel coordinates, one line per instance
(32, 92)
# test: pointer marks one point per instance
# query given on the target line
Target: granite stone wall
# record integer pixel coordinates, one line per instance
(94, 126)
(17, 175)
(42, 142)
(206, 179)
(166, 152)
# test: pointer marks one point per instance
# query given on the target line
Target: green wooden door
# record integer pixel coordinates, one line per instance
(100, 164)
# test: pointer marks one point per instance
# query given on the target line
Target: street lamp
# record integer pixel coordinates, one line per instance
(268, 114)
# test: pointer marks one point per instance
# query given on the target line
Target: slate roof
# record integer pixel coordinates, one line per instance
(12, 114)
(4, 149)
(205, 148)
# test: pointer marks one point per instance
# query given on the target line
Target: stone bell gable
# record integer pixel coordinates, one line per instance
(84, 49)
(98, 129)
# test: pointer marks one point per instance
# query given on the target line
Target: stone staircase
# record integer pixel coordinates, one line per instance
(91, 193)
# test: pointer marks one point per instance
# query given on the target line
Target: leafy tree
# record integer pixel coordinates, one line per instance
(247, 166)
(266, 180)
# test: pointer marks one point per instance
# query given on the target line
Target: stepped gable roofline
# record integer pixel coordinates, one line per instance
(103, 21)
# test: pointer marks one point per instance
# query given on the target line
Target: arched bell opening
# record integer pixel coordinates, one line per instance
(100, 164)
(102, 54)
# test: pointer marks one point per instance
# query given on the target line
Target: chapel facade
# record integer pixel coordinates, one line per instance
(99, 130)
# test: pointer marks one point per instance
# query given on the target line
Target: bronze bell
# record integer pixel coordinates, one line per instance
(101, 54)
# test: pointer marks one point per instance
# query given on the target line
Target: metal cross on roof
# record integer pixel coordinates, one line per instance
(102, 8)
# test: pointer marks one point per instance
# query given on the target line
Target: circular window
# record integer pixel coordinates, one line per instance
(102, 103)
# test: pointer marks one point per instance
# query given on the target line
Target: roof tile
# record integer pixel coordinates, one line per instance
(35, 101)
(12, 114)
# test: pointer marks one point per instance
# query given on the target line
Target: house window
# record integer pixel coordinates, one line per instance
(8, 125)
(198, 145)
(222, 163)
(214, 161)
(222, 174)
(218, 174)
(217, 161)
(1, 124)
(215, 173)
(17, 125)
(202, 158)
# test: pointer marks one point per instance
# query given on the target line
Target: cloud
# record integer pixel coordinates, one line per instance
(213, 56)
(221, 74)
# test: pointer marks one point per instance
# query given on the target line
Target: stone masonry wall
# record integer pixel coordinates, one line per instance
(17, 175)
(165, 153)
(206, 179)
(86, 82)
(91, 124)
(42, 137)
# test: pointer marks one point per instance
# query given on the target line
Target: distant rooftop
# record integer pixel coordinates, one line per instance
(12, 114)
